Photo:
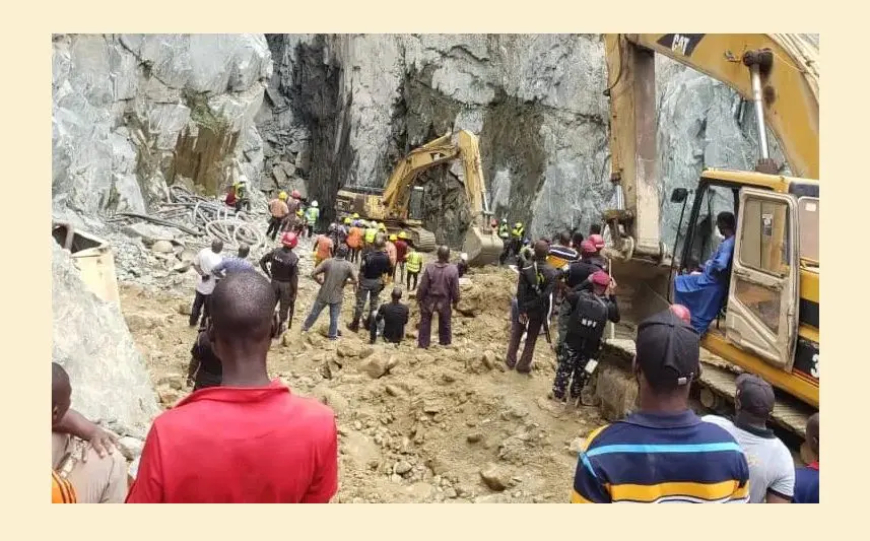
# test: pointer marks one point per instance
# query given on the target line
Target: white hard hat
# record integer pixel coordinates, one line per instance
(314, 203)
(243, 179)
(463, 256)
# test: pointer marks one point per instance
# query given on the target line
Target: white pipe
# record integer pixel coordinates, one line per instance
(759, 110)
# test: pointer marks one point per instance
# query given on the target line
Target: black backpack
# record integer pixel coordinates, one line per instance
(587, 320)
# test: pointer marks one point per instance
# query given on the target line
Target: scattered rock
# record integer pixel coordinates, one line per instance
(365, 352)
(377, 367)
(449, 376)
(173, 381)
(496, 477)
(402, 467)
(392, 390)
(451, 493)
(130, 447)
(488, 359)
(474, 437)
(162, 247)
(576, 446)
(184, 308)
(139, 322)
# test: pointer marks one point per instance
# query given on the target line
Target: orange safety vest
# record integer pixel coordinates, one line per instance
(62, 490)
(354, 237)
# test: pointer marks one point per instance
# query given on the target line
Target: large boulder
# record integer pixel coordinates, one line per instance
(92, 342)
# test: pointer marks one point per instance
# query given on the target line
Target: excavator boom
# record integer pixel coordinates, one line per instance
(778, 73)
(482, 243)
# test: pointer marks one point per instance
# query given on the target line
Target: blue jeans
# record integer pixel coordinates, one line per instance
(334, 312)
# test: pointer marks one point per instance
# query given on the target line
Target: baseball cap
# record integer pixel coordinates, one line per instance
(755, 395)
(668, 351)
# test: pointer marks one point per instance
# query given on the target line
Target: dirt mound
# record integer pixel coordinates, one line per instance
(445, 424)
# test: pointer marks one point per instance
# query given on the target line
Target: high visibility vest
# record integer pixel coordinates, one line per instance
(311, 214)
(413, 262)
(370, 235)
(518, 232)
(503, 231)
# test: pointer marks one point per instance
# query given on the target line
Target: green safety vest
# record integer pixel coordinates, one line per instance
(518, 232)
(413, 262)
(503, 231)
(370, 235)
(311, 214)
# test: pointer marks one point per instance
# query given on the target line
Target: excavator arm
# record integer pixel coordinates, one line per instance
(482, 243)
(777, 73)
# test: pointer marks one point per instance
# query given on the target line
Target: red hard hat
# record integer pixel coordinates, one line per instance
(586, 247)
(600, 278)
(597, 241)
(681, 312)
(289, 239)
(295, 194)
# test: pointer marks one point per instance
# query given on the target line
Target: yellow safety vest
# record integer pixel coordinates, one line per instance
(413, 262)
(503, 231)
(518, 232)
(370, 235)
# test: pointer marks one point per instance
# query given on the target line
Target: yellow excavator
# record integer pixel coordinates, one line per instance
(769, 324)
(400, 205)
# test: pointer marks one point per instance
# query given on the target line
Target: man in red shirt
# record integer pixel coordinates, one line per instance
(249, 440)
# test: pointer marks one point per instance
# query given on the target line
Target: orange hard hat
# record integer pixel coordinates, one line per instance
(289, 239)
(682, 312)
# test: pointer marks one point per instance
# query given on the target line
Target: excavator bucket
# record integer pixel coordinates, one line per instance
(642, 288)
(482, 247)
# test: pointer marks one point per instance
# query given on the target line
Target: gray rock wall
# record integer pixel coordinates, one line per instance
(354, 104)
(90, 339)
(134, 113)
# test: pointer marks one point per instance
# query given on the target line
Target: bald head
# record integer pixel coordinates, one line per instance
(443, 253)
(217, 245)
(542, 249)
(813, 433)
(61, 393)
(241, 310)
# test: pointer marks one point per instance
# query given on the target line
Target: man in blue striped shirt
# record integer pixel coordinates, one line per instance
(663, 453)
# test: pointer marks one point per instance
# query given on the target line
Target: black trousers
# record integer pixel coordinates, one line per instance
(201, 305)
(413, 275)
(274, 227)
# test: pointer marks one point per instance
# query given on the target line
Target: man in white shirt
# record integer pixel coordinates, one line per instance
(771, 468)
(204, 262)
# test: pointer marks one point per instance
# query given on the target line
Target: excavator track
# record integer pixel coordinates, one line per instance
(616, 389)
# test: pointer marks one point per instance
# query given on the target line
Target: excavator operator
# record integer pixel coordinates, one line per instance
(704, 292)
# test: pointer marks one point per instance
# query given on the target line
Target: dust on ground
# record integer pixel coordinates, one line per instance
(448, 424)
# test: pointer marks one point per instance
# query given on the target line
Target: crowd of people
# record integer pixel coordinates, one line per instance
(274, 446)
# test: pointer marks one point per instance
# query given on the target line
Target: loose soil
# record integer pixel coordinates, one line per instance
(448, 424)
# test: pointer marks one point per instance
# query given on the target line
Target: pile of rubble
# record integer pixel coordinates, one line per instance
(449, 424)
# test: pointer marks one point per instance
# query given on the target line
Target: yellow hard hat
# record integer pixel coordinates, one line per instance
(403, 235)
(299, 212)
(355, 215)
(282, 196)
(518, 224)
(393, 238)
(382, 227)
(347, 221)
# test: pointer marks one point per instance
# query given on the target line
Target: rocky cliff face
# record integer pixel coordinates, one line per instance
(342, 110)
(134, 113)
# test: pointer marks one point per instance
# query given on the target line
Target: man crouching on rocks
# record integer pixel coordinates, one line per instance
(82, 454)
